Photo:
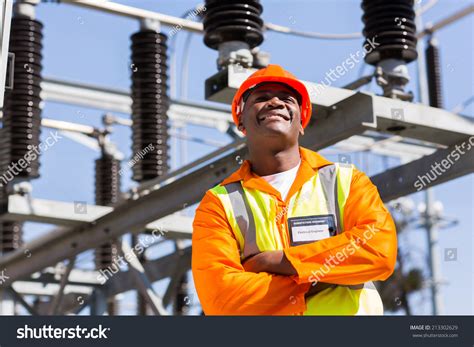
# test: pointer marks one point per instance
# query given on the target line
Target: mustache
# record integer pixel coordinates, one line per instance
(291, 113)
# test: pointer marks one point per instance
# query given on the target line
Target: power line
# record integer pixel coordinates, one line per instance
(312, 35)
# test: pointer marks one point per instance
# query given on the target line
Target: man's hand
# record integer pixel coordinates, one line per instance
(275, 262)
(270, 261)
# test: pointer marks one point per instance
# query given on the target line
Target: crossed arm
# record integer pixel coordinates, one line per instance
(271, 261)
(276, 282)
(365, 251)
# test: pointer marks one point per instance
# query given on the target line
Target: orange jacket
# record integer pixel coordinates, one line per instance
(225, 288)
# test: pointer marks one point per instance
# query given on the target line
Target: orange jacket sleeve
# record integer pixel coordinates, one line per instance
(365, 251)
(222, 285)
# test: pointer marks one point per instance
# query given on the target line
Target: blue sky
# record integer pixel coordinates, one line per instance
(88, 46)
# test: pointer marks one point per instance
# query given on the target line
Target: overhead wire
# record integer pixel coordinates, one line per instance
(313, 35)
(460, 107)
(426, 7)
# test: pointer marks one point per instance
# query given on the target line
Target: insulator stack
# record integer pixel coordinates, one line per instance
(150, 105)
(3, 193)
(234, 20)
(433, 68)
(22, 114)
(107, 180)
(105, 255)
(391, 25)
(107, 192)
(11, 236)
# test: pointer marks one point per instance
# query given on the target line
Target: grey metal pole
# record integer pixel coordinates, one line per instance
(433, 252)
(431, 230)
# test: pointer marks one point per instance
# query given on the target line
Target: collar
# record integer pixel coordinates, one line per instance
(310, 163)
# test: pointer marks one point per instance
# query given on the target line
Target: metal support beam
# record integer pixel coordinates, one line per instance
(22, 301)
(181, 267)
(70, 126)
(7, 304)
(69, 304)
(77, 277)
(45, 288)
(143, 283)
(98, 303)
(86, 95)
(24, 208)
(56, 302)
(114, 100)
(402, 180)
(137, 13)
(155, 269)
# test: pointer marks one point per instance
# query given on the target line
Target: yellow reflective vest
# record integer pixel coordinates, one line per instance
(254, 219)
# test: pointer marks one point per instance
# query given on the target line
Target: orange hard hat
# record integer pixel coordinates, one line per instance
(273, 73)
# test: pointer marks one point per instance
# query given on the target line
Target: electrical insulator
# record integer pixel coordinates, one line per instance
(107, 180)
(22, 114)
(433, 68)
(150, 105)
(11, 236)
(107, 192)
(226, 21)
(391, 26)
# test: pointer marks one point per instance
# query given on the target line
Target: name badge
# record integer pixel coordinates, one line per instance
(311, 228)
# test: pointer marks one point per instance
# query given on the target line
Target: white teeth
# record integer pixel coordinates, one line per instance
(273, 115)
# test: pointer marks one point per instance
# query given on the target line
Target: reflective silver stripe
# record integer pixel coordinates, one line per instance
(244, 217)
(369, 285)
(328, 179)
(339, 218)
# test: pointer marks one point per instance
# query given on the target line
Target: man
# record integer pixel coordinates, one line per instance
(289, 233)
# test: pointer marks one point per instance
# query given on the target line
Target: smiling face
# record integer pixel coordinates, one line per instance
(272, 111)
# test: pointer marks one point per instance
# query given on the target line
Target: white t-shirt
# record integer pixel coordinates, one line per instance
(283, 181)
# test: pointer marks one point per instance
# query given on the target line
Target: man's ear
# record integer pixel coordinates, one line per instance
(241, 123)
(301, 129)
